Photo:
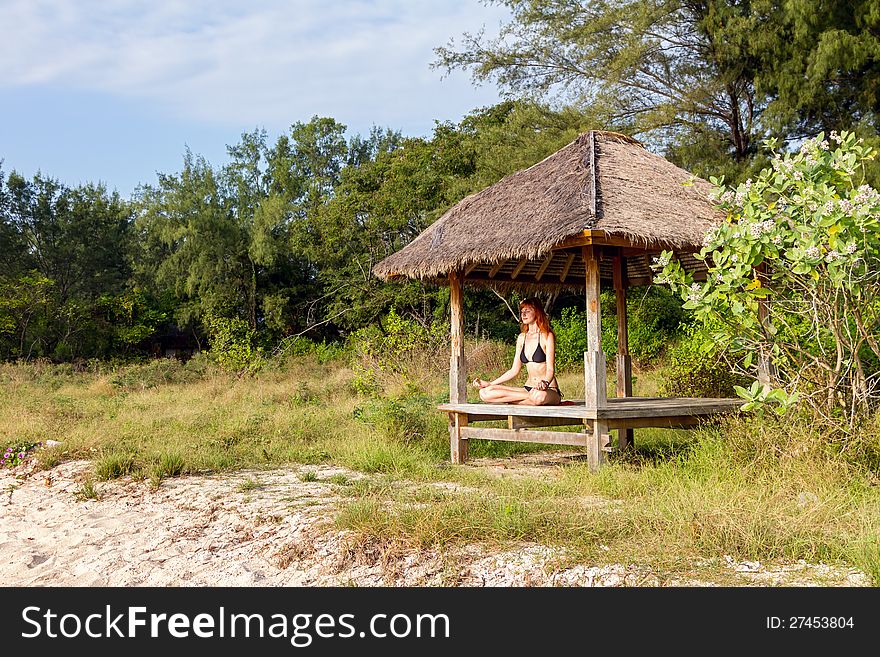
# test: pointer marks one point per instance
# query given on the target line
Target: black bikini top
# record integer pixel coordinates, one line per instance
(538, 357)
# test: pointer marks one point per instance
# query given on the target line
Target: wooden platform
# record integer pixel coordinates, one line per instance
(619, 413)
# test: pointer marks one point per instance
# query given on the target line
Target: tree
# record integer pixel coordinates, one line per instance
(658, 67)
(823, 72)
(384, 201)
(76, 237)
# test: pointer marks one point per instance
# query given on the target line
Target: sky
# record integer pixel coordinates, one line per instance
(115, 91)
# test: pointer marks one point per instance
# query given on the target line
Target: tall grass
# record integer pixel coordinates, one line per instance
(758, 490)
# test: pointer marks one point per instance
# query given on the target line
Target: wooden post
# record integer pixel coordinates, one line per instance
(765, 366)
(623, 360)
(597, 444)
(457, 365)
(458, 446)
(457, 370)
(595, 370)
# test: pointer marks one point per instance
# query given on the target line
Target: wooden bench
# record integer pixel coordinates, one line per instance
(527, 423)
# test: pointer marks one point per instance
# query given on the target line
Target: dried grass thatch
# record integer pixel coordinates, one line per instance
(505, 234)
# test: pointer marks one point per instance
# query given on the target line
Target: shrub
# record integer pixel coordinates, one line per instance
(654, 317)
(696, 369)
(405, 354)
(17, 453)
(234, 344)
(793, 279)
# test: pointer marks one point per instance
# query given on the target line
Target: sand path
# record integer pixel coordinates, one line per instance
(266, 528)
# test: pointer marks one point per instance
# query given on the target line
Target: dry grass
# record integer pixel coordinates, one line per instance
(776, 490)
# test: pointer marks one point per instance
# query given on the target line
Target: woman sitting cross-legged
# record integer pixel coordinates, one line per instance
(536, 348)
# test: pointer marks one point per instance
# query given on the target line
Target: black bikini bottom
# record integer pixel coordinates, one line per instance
(529, 389)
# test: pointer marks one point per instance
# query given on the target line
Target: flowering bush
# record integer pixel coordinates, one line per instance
(793, 279)
(16, 453)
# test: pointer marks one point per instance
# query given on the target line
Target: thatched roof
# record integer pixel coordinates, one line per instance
(525, 231)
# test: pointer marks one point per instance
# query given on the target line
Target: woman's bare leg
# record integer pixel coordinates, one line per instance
(498, 394)
(542, 398)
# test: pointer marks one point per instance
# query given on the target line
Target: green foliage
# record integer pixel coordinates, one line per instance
(822, 70)
(793, 278)
(396, 353)
(654, 317)
(323, 351)
(234, 344)
(696, 368)
(640, 65)
(167, 464)
(571, 337)
(408, 420)
(130, 319)
(760, 396)
(17, 452)
(87, 491)
(114, 465)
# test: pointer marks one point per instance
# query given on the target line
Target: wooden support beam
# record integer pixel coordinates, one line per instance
(518, 268)
(684, 422)
(458, 444)
(519, 422)
(566, 267)
(457, 365)
(765, 366)
(496, 268)
(601, 238)
(623, 362)
(595, 371)
(598, 443)
(471, 267)
(524, 436)
(590, 255)
(544, 266)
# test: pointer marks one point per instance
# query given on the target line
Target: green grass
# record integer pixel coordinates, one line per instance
(771, 491)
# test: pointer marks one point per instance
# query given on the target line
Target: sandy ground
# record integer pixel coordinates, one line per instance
(272, 528)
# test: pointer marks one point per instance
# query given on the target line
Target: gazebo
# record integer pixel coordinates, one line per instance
(595, 212)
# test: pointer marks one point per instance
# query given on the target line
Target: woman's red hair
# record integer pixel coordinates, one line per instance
(541, 318)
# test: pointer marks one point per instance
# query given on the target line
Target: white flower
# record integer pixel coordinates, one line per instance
(695, 292)
(851, 248)
(797, 175)
(813, 252)
(834, 136)
(661, 261)
(832, 255)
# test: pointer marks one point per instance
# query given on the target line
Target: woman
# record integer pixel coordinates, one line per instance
(536, 348)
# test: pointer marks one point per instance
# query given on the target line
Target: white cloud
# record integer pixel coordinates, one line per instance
(266, 62)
